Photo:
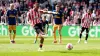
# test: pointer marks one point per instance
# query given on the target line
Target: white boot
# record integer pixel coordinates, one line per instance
(40, 49)
(85, 41)
(79, 41)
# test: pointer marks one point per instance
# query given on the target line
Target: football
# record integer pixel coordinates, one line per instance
(69, 46)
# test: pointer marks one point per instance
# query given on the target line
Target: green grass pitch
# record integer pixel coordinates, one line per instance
(24, 47)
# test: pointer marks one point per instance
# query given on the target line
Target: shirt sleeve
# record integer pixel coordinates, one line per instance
(53, 11)
(62, 14)
(16, 12)
(7, 13)
(83, 17)
(28, 15)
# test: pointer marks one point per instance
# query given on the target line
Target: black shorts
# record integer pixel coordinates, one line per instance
(38, 28)
(87, 30)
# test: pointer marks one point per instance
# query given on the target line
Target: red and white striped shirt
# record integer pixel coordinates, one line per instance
(34, 17)
(86, 20)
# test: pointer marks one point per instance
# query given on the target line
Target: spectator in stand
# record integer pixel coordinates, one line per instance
(90, 6)
(3, 16)
(71, 14)
(94, 14)
(54, 4)
(81, 6)
(65, 13)
(67, 21)
(98, 16)
(17, 5)
(95, 6)
(76, 17)
(30, 4)
(48, 6)
(68, 5)
(73, 7)
(98, 5)
(3, 3)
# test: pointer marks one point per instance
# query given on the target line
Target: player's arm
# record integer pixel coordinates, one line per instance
(7, 14)
(48, 12)
(82, 20)
(52, 18)
(45, 12)
(29, 18)
(62, 18)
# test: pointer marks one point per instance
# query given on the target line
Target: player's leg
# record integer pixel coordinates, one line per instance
(38, 29)
(44, 29)
(87, 31)
(10, 34)
(59, 31)
(36, 37)
(54, 33)
(10, 31)
(41, 42)
(81, 32)
(14, 33)
(5, 20)
(82, 29)
(37, 33)
(40, 32)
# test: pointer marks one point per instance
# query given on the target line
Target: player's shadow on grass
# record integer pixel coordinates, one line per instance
(75, 52)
